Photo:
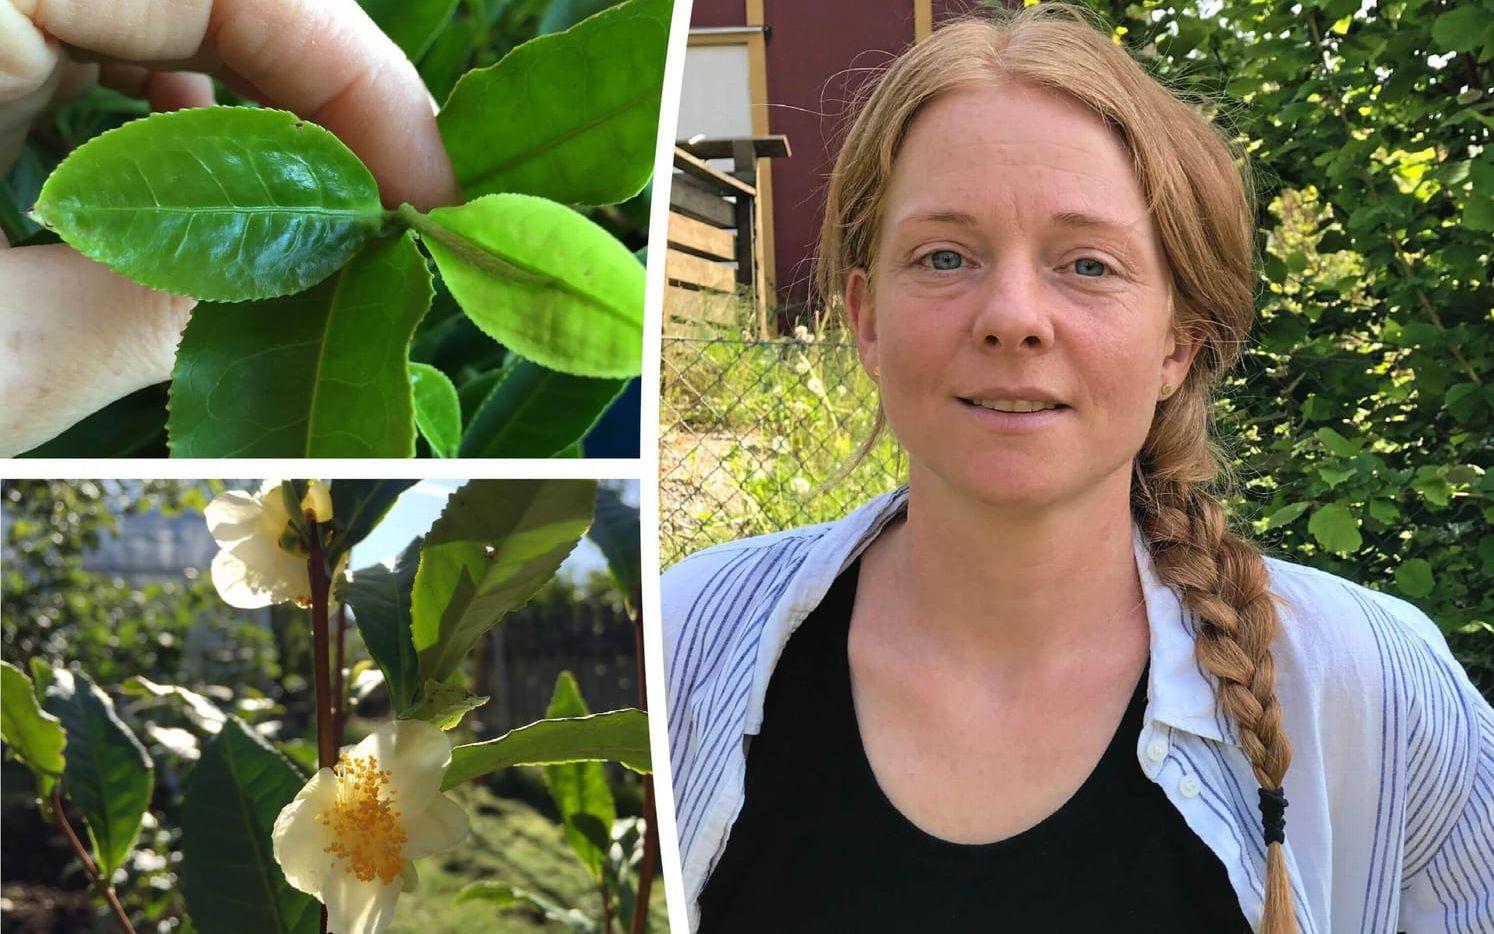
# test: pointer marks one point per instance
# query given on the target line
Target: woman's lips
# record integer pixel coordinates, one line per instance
(1014, 422)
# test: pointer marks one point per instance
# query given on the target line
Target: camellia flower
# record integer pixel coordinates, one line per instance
(263, 555)
(349, 837)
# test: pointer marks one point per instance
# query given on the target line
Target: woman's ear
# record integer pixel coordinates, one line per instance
(1183, 348)
(861, 312)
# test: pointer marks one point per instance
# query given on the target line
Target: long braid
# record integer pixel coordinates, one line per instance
(1222, 580)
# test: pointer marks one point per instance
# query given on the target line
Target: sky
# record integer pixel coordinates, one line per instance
(420, 505)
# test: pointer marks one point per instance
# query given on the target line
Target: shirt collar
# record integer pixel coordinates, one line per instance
(1179, 692)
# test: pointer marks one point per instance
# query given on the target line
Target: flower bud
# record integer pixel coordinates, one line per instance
(318, 501)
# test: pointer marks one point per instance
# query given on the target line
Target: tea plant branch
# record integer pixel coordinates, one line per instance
(316, 569)
(1396, 246)
(321, 650)
(89, 868)
(650, 820)
(339, 692)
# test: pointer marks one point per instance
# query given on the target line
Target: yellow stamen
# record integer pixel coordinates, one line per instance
(366, 832)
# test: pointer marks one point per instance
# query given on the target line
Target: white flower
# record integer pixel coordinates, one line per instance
(349, 837)
(800, 486)
(814, 385)
(318, 500)
(263, 556)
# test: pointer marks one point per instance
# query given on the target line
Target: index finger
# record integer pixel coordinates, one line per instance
(326, 61)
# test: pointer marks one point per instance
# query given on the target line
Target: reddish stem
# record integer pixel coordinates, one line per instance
(650, 820)
(88, 866)
(316, 571)
(339, 692)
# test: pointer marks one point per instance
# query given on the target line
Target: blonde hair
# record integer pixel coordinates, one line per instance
(1199, 195)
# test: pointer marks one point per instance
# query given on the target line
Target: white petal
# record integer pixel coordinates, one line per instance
(300, 841)
(416, 755)
(229, 578)
(233, 517)
(355, 907)
(441, 826)
(271, 569)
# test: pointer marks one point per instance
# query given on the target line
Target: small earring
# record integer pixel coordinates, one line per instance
(1166, 390)
(876, 372)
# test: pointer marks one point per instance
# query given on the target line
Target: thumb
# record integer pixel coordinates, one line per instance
(74, 337)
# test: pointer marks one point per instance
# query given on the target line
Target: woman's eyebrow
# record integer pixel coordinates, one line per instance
(1081, 221)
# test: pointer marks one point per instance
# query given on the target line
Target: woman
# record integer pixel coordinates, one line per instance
(1043, 686)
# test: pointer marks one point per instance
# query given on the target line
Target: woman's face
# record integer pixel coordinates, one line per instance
(1016, 260)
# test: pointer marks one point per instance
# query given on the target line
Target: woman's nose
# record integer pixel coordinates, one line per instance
(1012, 311)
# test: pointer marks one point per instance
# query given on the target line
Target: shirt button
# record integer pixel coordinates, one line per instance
(1156, 750)
(1189, 786)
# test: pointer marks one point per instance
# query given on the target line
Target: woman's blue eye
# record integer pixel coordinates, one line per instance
(945, 260)
(1092, 268)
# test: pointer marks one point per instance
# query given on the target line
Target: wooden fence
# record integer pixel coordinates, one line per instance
(715, 251)
(518, 662)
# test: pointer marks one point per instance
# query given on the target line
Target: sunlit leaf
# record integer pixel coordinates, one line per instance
(541, 279)
(219, 203)
(617, 735)
(572, 116)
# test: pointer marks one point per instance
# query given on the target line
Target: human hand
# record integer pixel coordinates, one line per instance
(75, 335)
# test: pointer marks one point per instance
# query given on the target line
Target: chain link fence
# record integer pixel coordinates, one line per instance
(752, 430)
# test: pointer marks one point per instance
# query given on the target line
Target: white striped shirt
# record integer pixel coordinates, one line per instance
(1391, 819)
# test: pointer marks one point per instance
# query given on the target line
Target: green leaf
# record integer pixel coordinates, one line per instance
(537, 412)
(34, 736)
(357, 507)
(204, 714)
(108, 775)
(616, 532)
(380, 598)
(1414, 577)
(1460, 30)
(319, 374)
(438, 411)
(543, 121)
(580, 789)
(1478, 213)
(1335, 529)
(412, 24)
(444, 704)
(495, 544)
(1337, 443)
(219, 203)
(1385, 510)
(507, 896)
(229, 876)
(617, 735)
(541, 279)
(1286, 515)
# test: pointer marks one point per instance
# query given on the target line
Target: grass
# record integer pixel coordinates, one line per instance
(514, 843)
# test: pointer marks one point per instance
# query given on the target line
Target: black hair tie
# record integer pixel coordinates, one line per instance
(1273, 815)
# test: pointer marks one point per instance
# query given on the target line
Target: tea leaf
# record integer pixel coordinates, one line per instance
(33, 735)
(535, 412)
(580, 789)
(380, 598)
(617, 735)
(495, 544)
(108, 775)
(412, 24)
(319, 374)
(572, 116)
(219, 203)
(229, 876)
(542, 280)
(438, 412)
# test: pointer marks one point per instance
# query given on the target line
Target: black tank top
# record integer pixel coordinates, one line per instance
(818, 846)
